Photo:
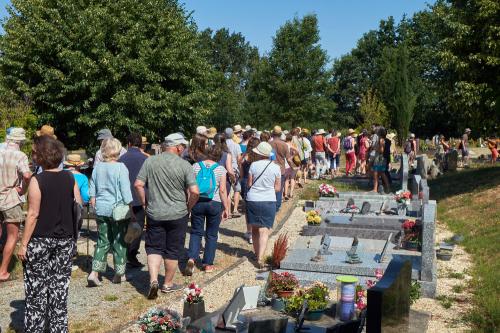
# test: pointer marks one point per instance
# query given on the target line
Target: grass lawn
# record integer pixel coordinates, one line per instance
(468, 202)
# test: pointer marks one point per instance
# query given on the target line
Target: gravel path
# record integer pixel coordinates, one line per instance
(109, 307)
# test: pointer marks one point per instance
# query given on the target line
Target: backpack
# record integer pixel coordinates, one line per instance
(347, 143)
(206, 181)
(407, 148)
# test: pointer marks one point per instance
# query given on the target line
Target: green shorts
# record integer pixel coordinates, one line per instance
(12, 215)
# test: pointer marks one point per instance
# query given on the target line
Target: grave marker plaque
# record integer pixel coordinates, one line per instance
(384, 250)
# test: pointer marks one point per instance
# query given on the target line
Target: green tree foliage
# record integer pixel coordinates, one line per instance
(233, 59)
(470, 50)
(372, 109)
(123, 64)
(292, 84)
(397, 83)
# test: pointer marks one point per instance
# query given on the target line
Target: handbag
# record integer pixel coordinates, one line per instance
(121, 210)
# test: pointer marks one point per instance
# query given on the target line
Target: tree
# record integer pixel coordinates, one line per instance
(233, 60)
(470, 50)
(293, 82)
(397, 84)
(373, 110)
(126, 65)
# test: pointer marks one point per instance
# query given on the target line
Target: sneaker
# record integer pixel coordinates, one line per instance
(247, 235)
(170, 289)
(209, 268)
(134, 263)
(250, 240)
(153, 290)
(189, 268)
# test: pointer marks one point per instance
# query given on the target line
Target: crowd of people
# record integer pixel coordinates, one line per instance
(202, 182)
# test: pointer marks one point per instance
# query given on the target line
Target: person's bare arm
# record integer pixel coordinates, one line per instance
(141, 192)
(229, 168)
(25, 183)
(277, 184)
(224, 198)
(76, 193)
(193, 196)
(34, 199)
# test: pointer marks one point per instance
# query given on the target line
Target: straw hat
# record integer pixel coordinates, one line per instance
(321, 131)
(16, 134)
(339, 134)
(277, 130)
(145, 140)
(46, 130)
(248, 128)
(391, 136)
(263, 149)
(202, 130)
(212, 132)
(351, 131)
(237, 129)
(74, 160)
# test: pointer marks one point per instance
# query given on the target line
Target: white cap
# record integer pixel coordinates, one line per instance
(201, 130)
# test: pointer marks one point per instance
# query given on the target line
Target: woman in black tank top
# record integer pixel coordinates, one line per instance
(48, 245)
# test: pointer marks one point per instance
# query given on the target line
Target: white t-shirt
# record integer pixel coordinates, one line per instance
(263, 188)
(235, 150)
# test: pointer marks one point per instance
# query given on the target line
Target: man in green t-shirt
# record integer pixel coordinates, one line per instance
(168, 179)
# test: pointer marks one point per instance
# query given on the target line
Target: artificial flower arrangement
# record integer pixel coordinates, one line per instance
(411, 235)
(313, 217)
(360, 301)
(193, 294)
(283, 284)
(160, 320)
(326, 190)
(403, 197)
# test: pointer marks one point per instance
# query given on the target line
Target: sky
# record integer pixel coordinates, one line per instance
(341, 22)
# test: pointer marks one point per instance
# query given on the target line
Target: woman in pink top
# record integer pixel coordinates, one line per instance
(364, 144)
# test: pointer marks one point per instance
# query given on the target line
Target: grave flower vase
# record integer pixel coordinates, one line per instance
(402, 209)
(194, 310)
(314, 315)
(411, 245)
(285, 293)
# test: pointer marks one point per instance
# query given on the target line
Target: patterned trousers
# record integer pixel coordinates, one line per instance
(111, 236)
(47, 272)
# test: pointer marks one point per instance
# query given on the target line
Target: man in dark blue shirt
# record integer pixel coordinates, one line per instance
(133, 160)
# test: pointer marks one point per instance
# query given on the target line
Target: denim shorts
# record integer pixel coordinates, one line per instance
(261, 213)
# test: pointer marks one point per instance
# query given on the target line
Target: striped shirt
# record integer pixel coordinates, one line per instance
(13, 164)
(219, 172)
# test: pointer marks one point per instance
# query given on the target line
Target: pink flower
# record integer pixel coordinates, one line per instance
(378, 273)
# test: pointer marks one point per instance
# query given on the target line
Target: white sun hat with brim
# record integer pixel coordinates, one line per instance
(16, 134)
(263, 149)
(321, 131)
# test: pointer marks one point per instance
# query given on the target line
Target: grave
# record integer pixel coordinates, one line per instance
(404, 171)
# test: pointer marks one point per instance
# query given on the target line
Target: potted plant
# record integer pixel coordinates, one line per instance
(411, 237)
(283, 284)
(403, 198)
(194, 305)
(160, 321)
(317, 300)
(279, 250)
(313, 217)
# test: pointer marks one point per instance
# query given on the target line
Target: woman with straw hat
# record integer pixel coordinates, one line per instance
(264, 180)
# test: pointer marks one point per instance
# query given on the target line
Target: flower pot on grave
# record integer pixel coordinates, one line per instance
(194, 310)
(285, 294)
(278, 304)
(402, 210)
(411, 245)
(444, 255)
(314, 315)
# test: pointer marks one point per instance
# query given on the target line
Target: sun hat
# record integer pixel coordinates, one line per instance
(468, 130)
(212, 132)
(277, 130)
(16, 134)
(350, 131)
(237, 129)
(321, 131)
(73, 160)
(175, 139)
(144, 140)
(339, 134)
(412, 136)
(305, 131)
(253, 129)
(228, 132)
(248, 128)
(263, 149)
(201, 130)
(46, 130)
(104, 134)
(391, 136)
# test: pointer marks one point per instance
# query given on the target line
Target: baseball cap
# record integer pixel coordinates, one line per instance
(104, 134)
(175, 139)
(228, 132)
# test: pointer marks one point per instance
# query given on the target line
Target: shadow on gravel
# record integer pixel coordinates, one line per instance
(17, 316)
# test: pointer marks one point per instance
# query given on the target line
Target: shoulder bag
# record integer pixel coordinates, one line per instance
(121, 210)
